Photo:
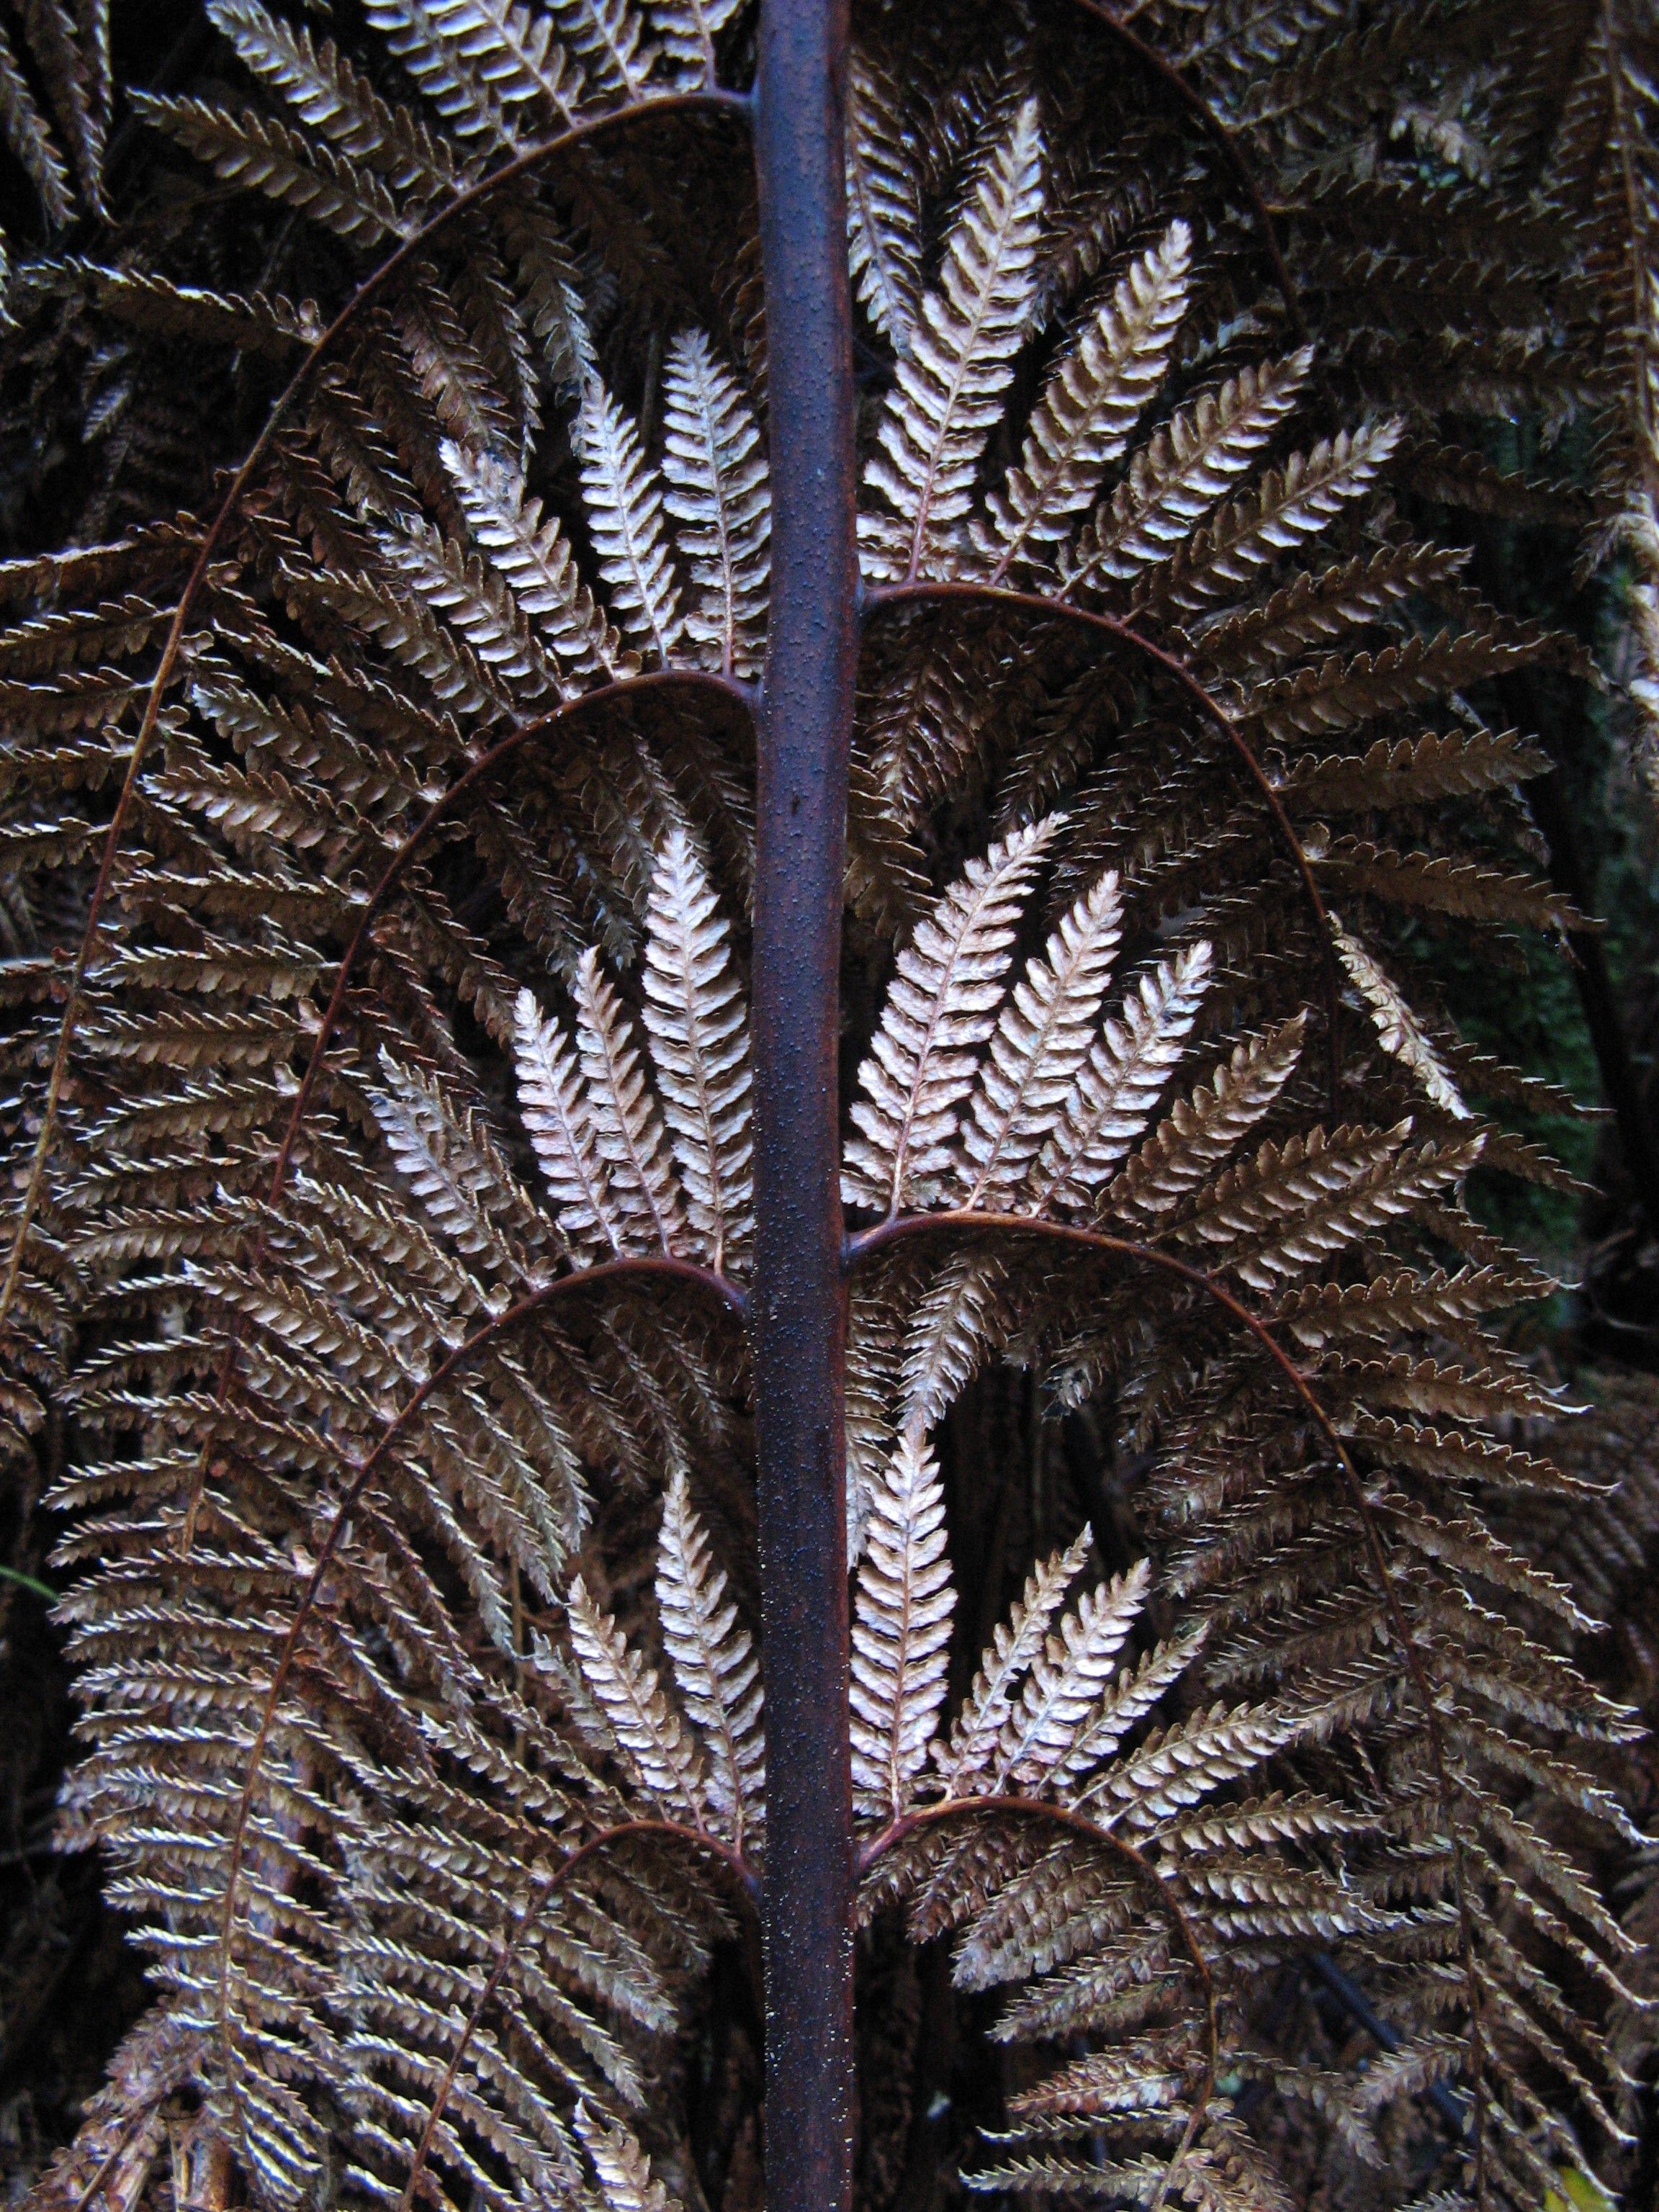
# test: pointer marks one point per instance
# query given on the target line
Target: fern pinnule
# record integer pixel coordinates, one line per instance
(1119, 1708)
(475, 599)
(698, 1029)
(1291, 1206)
(628, 1130)
(1407, 771)
(478, 61)
(256, 150)
(620, 2166)
(949, 388)
(1086, 411)
(30, 139)
(687, 30)
(1288, 506)
(717, 491)
(1180, 1765)
(535, 560)
(1041, 1040)
(939, 1010)
(1113, 1091)
(1199, 1132)
(624, 495)
(1071, 1900)
(715, 1669)
(900, 1632)
(609, 38)
(331, 96)
(960, 1320)
(455, 1170)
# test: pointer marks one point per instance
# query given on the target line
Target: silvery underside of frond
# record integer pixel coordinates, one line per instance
(390, 1267)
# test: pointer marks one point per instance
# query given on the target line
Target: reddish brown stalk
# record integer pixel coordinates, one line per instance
(867, 1241)
(1169, 666)
(719, 103)
(464, 785)
(361, 1473)
(799, 1333)
(540, 1897)
(1079, 1823)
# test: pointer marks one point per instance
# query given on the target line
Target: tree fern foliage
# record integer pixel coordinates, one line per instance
(379, 1202)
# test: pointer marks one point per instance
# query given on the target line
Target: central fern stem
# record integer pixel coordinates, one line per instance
(798, 1312)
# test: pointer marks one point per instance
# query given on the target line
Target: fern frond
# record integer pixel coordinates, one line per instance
(536, 559)
(30, 139)
(884, 202)
(478, 61)
(255, 150)
(698, 1029)
(950, 385)
(960, 1320)
(1015, 1649)
(637, 1714)
(1183, 473)
(717, 491)
(331, 96)
(553, 1107)
(1040, 1042)
(454, 1169)
(1288, 506)
(1397, 1026)
(939, 1010)
(642, 1185)
(715, 1669)
(901, 1616)
(624, 501)
(1086, 411)
(1113, 1091)
(1199, 1132)
(1041, 1734)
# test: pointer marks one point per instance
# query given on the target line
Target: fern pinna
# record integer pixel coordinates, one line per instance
(424, 1217)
